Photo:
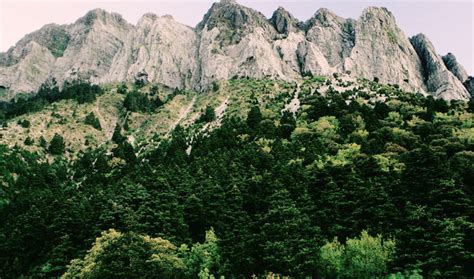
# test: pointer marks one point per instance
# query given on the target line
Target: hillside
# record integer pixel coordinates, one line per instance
(245, 147)
(145, 128)
(273, 171)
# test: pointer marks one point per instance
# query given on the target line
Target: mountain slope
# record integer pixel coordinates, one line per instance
(231, 40)
(275, 186)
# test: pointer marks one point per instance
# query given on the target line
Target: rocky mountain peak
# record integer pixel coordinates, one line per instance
(231, 41)
(438, 78)
(457, 69)
(51, 36)
(469, 84)
(426, 52)
(323, 17)
(228, 2)
(170, 17)
(283, 21)
(100, 15)
(377, 11)
(151, 16)
(230, 14)
(150, 19)
(91, 16)
(378, 17)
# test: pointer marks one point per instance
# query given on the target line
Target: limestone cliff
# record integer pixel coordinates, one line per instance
(230, 41)
(439, 80)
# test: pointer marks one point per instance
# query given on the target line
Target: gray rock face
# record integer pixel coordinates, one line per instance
(95, 40)
(454, 67)
(469, 84)
(29, 73)
(160, 48)
(238, 41)
(230, 41)
(382, 50)
(334, 37)
(283, 21)
(439, 79)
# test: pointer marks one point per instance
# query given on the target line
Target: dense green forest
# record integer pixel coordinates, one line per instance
(341, 189)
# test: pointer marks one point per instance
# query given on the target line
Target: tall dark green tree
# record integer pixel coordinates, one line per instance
(290, 243)
(254, 117)
(56, 145)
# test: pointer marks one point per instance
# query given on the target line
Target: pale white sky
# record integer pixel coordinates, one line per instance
(448, 23)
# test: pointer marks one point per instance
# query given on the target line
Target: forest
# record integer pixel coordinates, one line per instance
(340, 189)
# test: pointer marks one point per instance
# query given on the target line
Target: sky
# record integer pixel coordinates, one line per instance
(448, 23)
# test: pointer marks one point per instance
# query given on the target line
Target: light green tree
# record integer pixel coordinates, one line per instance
(364, 257)
(332, 259)
(128, 255)
(203, 259)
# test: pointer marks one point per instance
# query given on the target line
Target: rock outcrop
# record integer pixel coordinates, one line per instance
(236, 41)
(230, 41)
(454, 67)
(329, 40)
(469, 84)
(160, 48)
(382, 50)
(283, 21)
(95, 41)
(438, 78)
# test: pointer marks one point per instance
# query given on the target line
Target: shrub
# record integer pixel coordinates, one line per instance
(128, 255)
(208, 115)
(24, 123)
(364, 257)
(29, 141)
(56, 146)
(93, 121)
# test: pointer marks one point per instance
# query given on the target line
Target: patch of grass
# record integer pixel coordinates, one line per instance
(392, 37)
(59, 42)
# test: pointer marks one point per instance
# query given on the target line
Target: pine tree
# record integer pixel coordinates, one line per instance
(56, 146)
(208, 115)
(92, 120)
(290, 242)
(235, 235)
(117, 136)
(254, 117)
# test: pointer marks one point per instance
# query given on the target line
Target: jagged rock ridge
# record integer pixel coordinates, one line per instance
(230, 41)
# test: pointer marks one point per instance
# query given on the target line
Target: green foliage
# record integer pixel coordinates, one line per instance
(272, 187)
(362, 257)
(287, 124)
(392, 37)
(58, 43)
(208, 116)
(42, 142)
(50, 93)
(24, 123)
(332, 259)
(81, 92)
(92, 120)
(29, 141)
(254, 117)
(117, 135)
(285, 232)
(215, 86)
(204, 259)
(135, 101)
(139, 83)
(415, 274)
(128, 255)
(122, 88)
(56, 145)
